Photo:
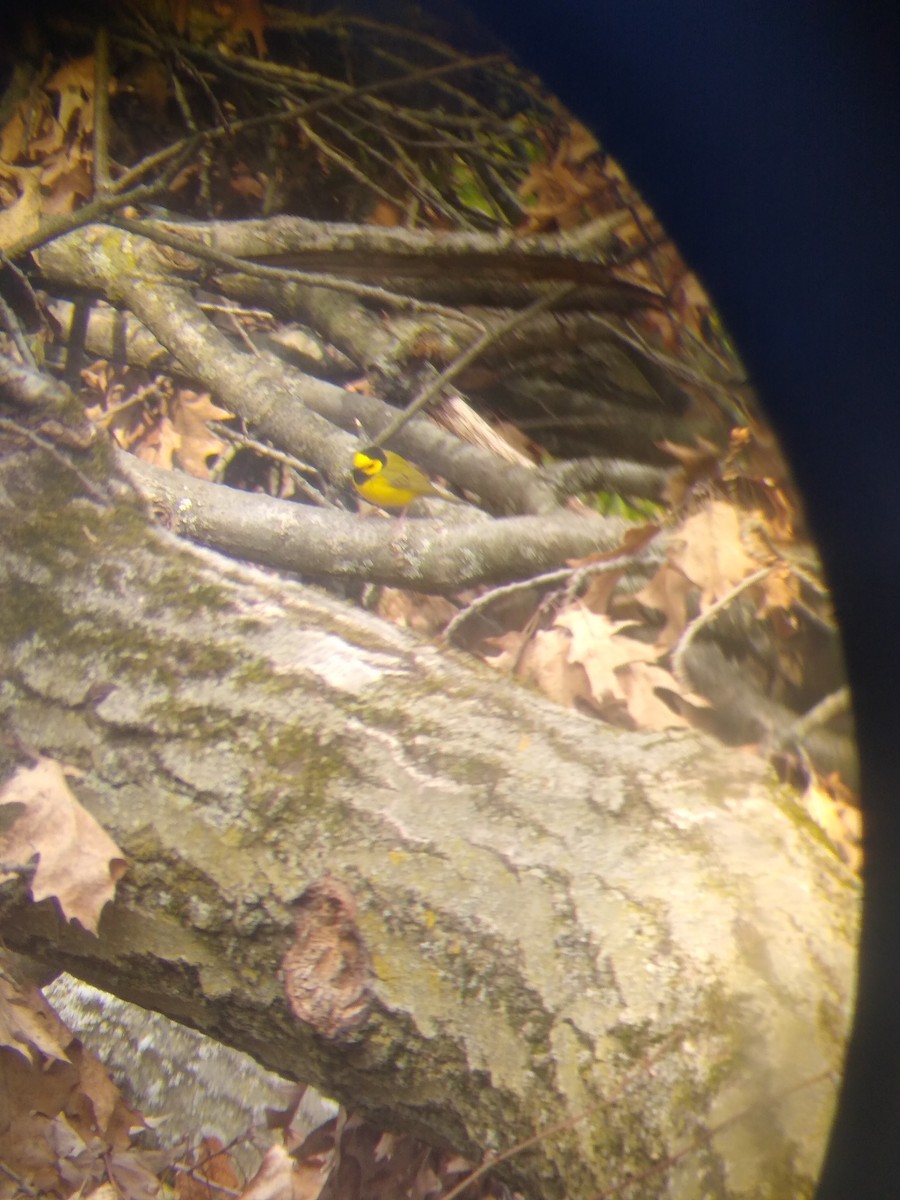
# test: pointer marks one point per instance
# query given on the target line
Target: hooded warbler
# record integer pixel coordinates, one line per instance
(388, 480)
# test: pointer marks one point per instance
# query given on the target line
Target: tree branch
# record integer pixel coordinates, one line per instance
(434, 556)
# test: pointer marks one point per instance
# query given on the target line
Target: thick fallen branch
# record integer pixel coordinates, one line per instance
(539, 906)
(296, 412)
(437, 555)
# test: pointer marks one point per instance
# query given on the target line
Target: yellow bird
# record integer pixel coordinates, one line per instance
(388, 480)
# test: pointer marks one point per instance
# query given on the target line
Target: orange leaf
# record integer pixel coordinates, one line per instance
(248, 16)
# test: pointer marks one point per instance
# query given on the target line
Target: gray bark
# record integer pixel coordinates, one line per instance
(187, 1085)
(557, 915)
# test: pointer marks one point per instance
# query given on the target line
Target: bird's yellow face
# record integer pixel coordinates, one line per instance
(364, 464)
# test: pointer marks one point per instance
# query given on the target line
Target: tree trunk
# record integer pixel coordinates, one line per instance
(536, 915)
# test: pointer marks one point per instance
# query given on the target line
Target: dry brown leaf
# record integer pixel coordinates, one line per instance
(70, 183)
(596, 647)
(130, 1178)
(755, 453)
(63, 1124)
(581, 142)
(276, 1179)
(14, 136)
(159, 444)
(691, 302)
(698, 462)
(599, 591)
(633, 541)
(51, 140)
(668, 591)
(662, 329)
(427, 615)
(148, 80)
(510, 645)
(26, 1149)
(568, 187)
(78, 862)
(247, 15)
(25, 1025)
(781, 590)
(246, 183)
(708, 549)
(756, 465)
(825, 801)
(20, 195)
(386, 1145)
(384, 213)
(639, 681)
(75, 84)
(187, 173)
(106, 1191)
(309, 1179)
(190, 413)
(95, 1085)
(211, 1170)
(545, 663)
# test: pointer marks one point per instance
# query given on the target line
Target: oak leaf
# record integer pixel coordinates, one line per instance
(709, 551)
(545, 662)
(191, 412)
(78, 862)
(596, 647)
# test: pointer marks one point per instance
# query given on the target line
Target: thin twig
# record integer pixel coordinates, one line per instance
(101, 111)
(494, 334)
(244, 336)
(347, 164)
(244, 442)
(833, 705)
(573, 576)
(14, 328)
(149, 391)
(684, 642)
(204, 154)
(424, 189)
(18, 1181)
(306, 110)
